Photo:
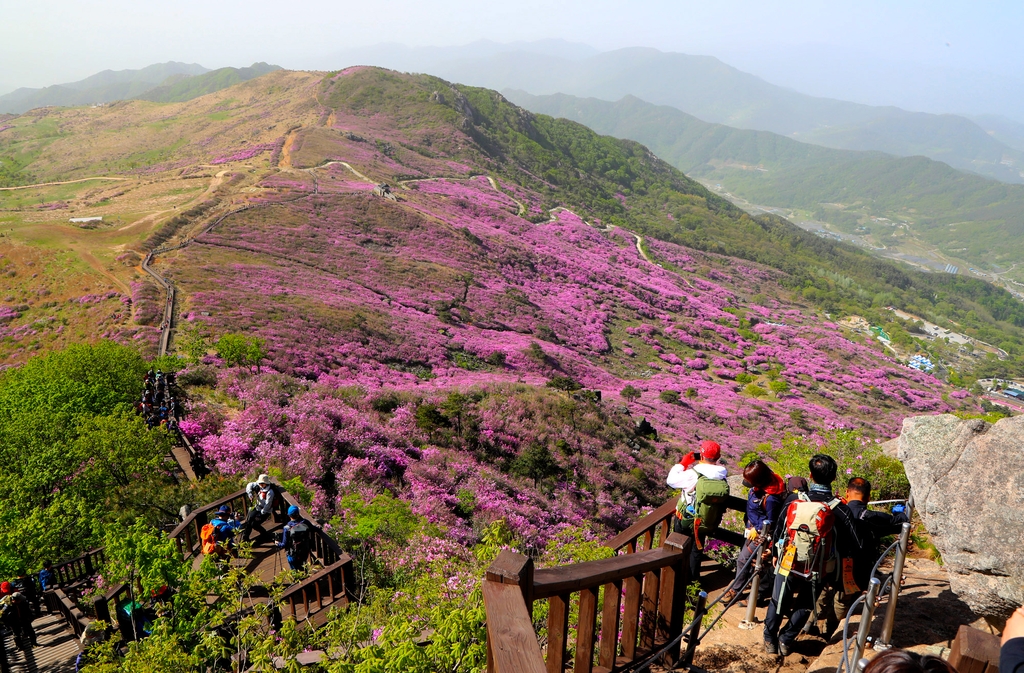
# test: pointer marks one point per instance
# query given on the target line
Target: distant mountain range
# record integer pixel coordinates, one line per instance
(713, 91)
(967, 215)
(162, 82)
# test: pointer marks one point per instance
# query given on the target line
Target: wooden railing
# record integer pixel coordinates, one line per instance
(310, 600)
(79, 568)
(187, 533)
(656, 526)
(74, 617)
(644, 598)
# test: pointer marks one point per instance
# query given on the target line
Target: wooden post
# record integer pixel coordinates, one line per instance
(672, 601)
(610, 624)
(649, 618)
(631, 616)
(558, 632)
(513, 568)
(584, 661)
(974, 651)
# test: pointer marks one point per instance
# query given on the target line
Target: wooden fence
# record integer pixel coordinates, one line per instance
(644, 599)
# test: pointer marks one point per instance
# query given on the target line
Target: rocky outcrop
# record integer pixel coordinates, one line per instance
(968, 485)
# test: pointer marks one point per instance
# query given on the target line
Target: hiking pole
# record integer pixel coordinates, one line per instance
(865, 618)
(694, 632)
(749, 620)
(885, 639)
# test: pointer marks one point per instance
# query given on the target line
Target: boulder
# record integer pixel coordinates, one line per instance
(967, 477)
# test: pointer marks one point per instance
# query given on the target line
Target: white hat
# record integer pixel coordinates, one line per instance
(264, 479)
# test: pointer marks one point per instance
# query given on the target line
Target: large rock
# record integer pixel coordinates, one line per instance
(968, 484)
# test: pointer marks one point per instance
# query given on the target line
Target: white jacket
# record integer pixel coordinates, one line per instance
(686, 479)
(262, 499)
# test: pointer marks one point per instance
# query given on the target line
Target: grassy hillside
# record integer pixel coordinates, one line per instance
(428, 128)
(200, 85)
(972, 217)
(716, 92)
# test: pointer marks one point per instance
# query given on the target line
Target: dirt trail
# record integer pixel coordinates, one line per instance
(52, 184)
(285, 161)
(98, 267)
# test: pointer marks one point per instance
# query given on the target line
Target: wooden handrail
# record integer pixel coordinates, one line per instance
(78, 568)
(662, 518)
(592, 574)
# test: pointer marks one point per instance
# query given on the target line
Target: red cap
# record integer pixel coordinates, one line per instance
(5, 588)
(710, 450)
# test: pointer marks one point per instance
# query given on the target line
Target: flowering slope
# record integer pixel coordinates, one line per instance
(362, 299)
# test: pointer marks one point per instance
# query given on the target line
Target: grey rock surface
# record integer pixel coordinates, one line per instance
(967, 478)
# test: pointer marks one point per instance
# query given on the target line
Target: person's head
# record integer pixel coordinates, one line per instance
(823, 469)
(224, 511)
(902, 661)
(264, 481)
(47, 564)
(858, 488)
(293, 513)
(757, 475)
(710, 451)
(796, 485)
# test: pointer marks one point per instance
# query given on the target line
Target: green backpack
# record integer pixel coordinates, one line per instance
(708, 505)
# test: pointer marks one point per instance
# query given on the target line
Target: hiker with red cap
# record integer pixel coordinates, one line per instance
(16, 615)
(704, 492)
(764, 504)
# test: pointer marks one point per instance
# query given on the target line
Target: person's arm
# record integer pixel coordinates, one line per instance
(284, 538)
(1011, 654)
(772, 508)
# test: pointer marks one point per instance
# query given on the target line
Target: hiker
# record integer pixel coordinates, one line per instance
(764, 504)
(261, 494)
(47, 578)
(703, 497)
(796, 485)
(16, 615)
(905, 661)
(26, 585)
(807, 556)
(1011, 652)
(217, 536)
(296, 538)
(858, 557)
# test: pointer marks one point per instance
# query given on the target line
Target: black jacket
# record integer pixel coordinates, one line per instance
(871, 527)
(1011, 656)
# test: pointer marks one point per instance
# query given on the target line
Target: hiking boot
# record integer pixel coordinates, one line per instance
(771, 647)
(728, 597)
(785, 648)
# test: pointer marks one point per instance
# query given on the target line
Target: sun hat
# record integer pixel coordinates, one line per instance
(263, 479)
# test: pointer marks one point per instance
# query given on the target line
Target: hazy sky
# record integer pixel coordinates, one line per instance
(49, 41)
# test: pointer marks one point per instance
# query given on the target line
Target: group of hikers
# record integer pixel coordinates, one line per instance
(158, 405)
(220, 537)
(818, 549)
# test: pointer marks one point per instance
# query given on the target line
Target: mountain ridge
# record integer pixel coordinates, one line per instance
(714, 91)
(775, 170)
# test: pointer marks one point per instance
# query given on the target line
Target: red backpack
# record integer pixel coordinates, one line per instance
(808, 548)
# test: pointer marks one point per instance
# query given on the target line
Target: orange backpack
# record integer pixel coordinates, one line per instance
(209, 538)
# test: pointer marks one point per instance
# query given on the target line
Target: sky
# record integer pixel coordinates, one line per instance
(864, 49)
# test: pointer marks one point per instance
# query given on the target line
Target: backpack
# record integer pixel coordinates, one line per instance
(709, 501)
(299, 539)
(807, 540)
(208, 536)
